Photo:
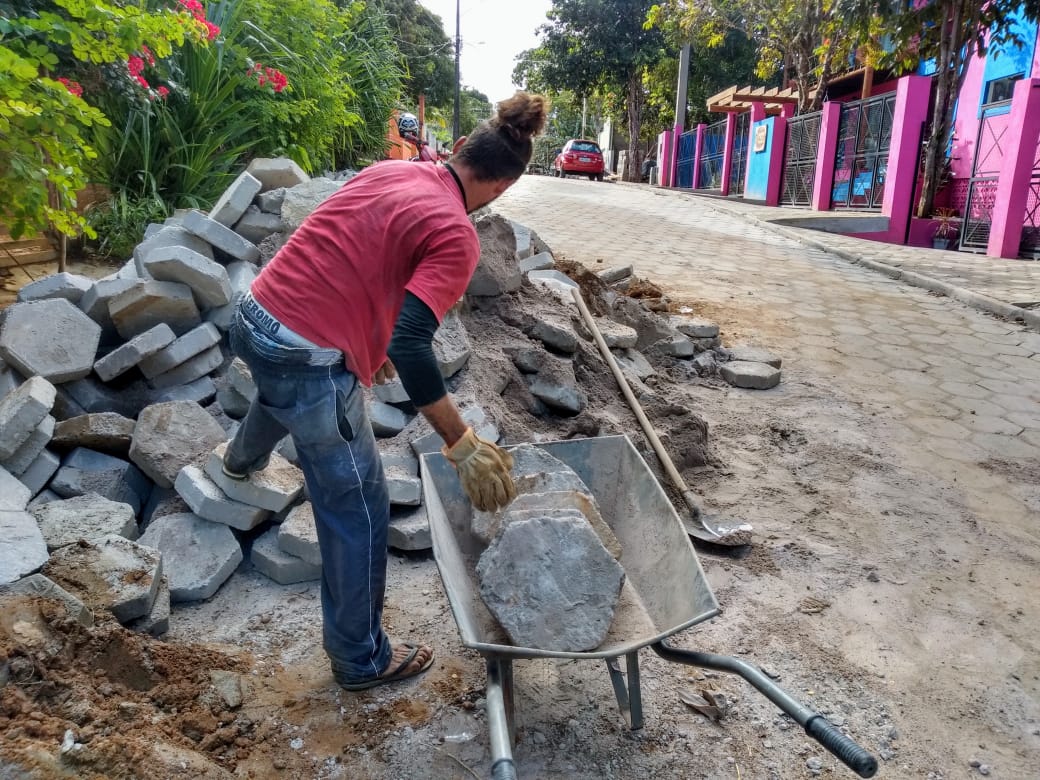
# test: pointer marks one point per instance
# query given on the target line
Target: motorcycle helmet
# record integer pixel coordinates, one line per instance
(408, 125)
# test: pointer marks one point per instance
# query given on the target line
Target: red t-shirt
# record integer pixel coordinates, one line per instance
(340, 281)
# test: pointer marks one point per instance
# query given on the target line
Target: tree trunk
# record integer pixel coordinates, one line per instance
(633, 163)
(946, 78)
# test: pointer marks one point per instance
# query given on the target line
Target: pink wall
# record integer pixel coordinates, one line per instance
(966, 124)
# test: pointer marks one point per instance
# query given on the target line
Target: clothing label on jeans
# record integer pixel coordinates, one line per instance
(260, 316)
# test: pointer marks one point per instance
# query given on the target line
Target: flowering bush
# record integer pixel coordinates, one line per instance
(268, 76)
(45, 59)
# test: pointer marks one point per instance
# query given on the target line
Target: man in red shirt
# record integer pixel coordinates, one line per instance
(358, 290)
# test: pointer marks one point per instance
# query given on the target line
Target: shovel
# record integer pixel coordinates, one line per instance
(697, 525)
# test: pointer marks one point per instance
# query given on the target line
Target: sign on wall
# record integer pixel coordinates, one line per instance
(761, 135)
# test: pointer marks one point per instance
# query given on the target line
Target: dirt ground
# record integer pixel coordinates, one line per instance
(854, 538)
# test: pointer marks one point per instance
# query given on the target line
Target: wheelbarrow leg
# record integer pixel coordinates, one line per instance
(499, 706)
(629, 697)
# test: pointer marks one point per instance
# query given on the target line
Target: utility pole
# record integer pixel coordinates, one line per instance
(680, 93)
(458, 47)
(584, 109)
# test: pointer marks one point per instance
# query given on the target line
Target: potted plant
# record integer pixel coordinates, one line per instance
(947, 228)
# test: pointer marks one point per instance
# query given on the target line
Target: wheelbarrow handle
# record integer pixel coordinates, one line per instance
(848, 752)
(816, 726)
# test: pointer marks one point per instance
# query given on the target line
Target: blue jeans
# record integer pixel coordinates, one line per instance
(323, 408)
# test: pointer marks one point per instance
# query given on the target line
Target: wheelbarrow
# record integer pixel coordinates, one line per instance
(665, 591)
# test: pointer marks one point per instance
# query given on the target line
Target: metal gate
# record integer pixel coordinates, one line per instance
(713, 152)
(686, 158)
(803, 143)
(864, 137)
(985, 175)
(1030, 246)
(739, 159)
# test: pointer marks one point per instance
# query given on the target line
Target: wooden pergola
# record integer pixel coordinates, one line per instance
(737, 100)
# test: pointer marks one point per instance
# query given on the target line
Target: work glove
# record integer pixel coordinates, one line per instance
(483, 470)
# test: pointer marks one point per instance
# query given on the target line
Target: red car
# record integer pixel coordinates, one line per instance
(581, 157)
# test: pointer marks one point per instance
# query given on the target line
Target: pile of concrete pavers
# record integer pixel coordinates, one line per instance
(118, 395)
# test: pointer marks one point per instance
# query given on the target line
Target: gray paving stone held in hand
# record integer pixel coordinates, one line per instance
(89, 517)
(275, 172)
(198, 555)
(181, 350)
(22, 548)
(211, 503)
(241, 275)
(543, 261)
(133, 352)
(274, 562)
(386, 420)
(451, 345)
(86, 471)
(273, 488)
(474, 416)
(50, 338)
(297, 535)
(38, 586)
(106, 432)
(190, 370)
(551, 584)
(256, 225)
(22, 411)
(497, 272)
(40, 471)
(71, 287)
(410, 530)
(111, 573)
(223, 238)
(750, 376)
(168, 436)
(207, 279)
(241, 378)
(148, 303)
(233, 203)
(31, 448)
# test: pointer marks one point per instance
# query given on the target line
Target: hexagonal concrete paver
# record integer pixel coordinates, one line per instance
(50, 338)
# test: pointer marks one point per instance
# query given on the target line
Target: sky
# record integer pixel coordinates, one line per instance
(493, 33)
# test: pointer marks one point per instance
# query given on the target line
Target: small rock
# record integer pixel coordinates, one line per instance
(814, 764)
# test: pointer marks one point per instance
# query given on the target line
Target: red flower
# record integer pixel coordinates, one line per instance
(72, 86)
(149, 57)
(142, 81)
(135, 65)
(194, 7)
(212, 30)
(163, 92)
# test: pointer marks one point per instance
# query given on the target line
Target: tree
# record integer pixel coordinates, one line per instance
(948, 32)
(46, 50)
(427, 50)
(474, 108)
(806, 37)
(591, 46)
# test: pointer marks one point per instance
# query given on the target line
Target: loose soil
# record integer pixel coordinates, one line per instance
(850, 529)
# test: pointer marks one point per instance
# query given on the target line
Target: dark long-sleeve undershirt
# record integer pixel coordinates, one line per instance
(411, 351)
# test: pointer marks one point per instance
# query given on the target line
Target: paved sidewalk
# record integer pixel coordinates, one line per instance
(1007, 288)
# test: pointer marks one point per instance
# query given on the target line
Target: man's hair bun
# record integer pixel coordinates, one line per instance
(522, 116)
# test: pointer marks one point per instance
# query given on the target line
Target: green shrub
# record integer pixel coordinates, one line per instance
(120, 223)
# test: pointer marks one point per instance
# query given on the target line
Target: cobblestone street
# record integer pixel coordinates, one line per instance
(895, 471)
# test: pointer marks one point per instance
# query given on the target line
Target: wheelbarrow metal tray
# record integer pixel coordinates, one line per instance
(665, 589)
